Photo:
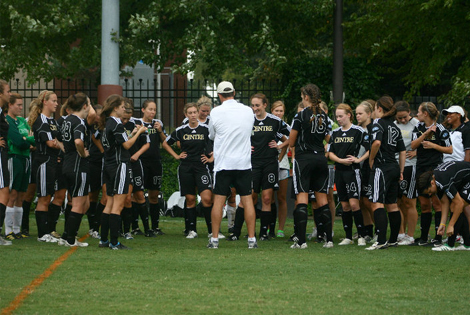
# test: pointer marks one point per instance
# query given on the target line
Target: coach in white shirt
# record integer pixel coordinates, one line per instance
(230, 127)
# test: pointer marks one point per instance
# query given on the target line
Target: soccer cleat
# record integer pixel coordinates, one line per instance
(346, 241)
(459, 239)
(25, 233)
(158, 231)
(252, 244)
(355, 236)
(137, 232)
(4, 242)
(118, 246)
(20, 235)
(213, 244)
(328, 245)
(443, 248)
(296, 245)
(435, 242)
(461, 247)
(280, 233)
(376, 245)
(61, 242)
(313, 234)
(128, 236)
(150, 233)
(81, 244)
(221, 236)
(11, 236)
(232, 237)
(47, 238)
(395, 244)
(374, 239)
(264, 238)
(103, 244)
(367, 238)
(361, 241)
(55, 234)
(191, 234)
(96, 234)
(401, 237)
(408, 240)
(293, 238)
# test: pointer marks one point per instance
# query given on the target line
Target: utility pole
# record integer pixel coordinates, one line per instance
(109, 50)
(338, 53)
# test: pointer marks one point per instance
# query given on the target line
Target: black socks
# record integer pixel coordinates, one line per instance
(381, 223)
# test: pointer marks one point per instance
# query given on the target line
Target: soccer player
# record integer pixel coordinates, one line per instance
(193, 171)
(344, 146)
(450, 181)
(385, 142)
(232, 159)
(4, 175)
(117, 173)
(48, 145)
(431, 140)
(309, 129)
(407, 193)
(76, 140)
(152, 162)
(19, 141)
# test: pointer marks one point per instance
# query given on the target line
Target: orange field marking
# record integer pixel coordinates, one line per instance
(38, 280)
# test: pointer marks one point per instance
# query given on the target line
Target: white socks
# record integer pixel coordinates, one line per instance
(9, 218)
(230, 216)
(17, 219)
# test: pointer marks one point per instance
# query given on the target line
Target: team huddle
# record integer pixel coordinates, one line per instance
(379, 168)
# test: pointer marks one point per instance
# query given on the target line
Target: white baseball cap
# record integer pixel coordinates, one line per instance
(454, 109)
(225, 87)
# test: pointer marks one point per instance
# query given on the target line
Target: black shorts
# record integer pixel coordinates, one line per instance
(153, 172)
(420, 170)
(385, 183)
(46, 176)
(78, 184)
(117, 179)
(265, 175)
(96, 175)
(366, 187)
(310, 173)
(241, 180)
(34, 167)
(192, 175)
(465, 193)
(61, 182)
(137, 175)
(348, 184)
(4, 173)
(408, 184)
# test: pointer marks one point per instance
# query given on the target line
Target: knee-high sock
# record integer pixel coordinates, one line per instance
(426, 219)
(317, 217)
(186, 220)
(73, 224)
(395, 223)
(67, 211)
(91, 213)
(41, 222)
(126, 216)
(369, 230)
(104, 227)
(326, 218)
(17, 217)
(272, 223)
(347, 223)
(192, 219)
(135, 216)
(239, 219)
(114, 226)
(381, 223)
(437, 222)
(359, 221)
(144, 215)
(99, 211)
(300, 219)
(3, 210)
(9, 217)
(25, 219)
(207, 216)
(53, 216)
(265, 219)
(154, 209)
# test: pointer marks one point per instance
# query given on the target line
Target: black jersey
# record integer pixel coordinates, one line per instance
(95, 153)
(3, 128)
(73, 127)
(311, 132)
(385, 131)
(451, 177)
(194, 141)
(112, 138)
(153, 153)
(264, 131)
(143, 137)
(45, 129)
(431, 157)
(346, 142)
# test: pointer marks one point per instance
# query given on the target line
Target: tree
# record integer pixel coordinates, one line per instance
(424, 43)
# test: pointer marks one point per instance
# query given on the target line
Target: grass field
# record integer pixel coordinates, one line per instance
(172, 275)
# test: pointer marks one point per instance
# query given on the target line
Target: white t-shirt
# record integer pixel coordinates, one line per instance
(407, 135)
(231, 126)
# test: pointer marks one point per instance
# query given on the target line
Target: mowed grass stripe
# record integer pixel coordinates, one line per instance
(16, 303)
